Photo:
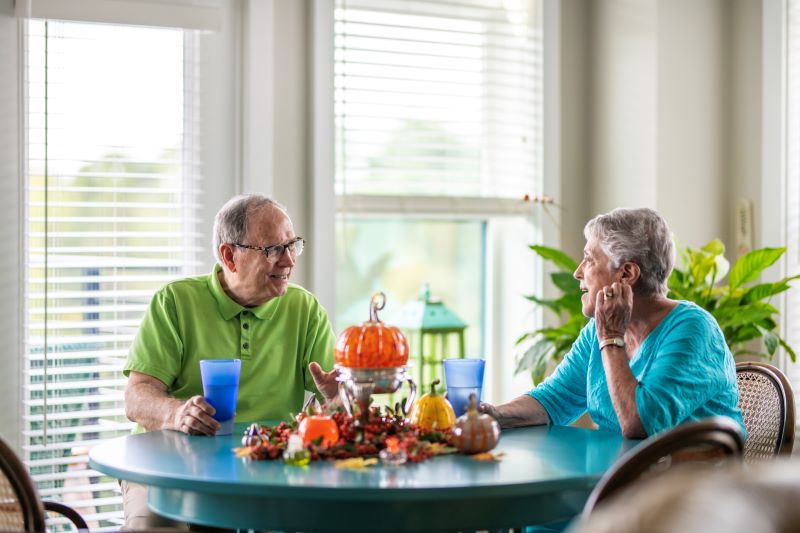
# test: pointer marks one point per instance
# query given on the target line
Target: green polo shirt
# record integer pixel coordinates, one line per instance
(193, 319)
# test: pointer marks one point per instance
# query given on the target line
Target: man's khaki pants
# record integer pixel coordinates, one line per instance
(138, 517)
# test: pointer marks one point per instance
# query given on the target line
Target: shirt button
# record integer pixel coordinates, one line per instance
(245, 326)
(246, 313)
(246, 345)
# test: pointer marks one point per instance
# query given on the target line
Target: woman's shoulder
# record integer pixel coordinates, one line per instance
(687, 316)
(687, 310)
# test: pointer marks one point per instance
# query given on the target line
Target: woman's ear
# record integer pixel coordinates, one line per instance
(629, 273)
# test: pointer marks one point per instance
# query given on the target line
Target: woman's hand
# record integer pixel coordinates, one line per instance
(489, 409)
(612, 310)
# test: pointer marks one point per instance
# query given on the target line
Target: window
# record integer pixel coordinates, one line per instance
(112, 189)
(438, 137)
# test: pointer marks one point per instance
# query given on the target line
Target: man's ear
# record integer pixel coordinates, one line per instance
(629, 273)
(226, 253)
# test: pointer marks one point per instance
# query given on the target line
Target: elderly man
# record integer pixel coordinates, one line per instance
(246, 309)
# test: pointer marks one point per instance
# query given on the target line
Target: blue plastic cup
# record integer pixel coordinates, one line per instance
(220, 388)
(463, 377)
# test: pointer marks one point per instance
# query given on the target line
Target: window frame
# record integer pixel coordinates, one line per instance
(499, 323)
(219, 129)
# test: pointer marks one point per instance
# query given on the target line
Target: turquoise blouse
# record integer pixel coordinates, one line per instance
(684, 369)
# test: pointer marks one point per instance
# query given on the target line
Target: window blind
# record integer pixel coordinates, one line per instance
(112, 186)
(438, 97)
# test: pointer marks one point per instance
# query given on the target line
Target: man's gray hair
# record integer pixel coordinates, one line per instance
(230, 224)
(640, 236)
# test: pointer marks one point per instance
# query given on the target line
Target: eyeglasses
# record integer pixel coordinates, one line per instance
(295, 247)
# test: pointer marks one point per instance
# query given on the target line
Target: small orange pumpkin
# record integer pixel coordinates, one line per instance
(433, 412)
(475, 432)
(312, 427)
(372, 344)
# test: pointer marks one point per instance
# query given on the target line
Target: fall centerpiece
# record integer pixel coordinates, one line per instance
(382, 431)
(371, 358)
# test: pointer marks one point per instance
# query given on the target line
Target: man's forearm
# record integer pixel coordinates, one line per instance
(524, 410)
(150, 406)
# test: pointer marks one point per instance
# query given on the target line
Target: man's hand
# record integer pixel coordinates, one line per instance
(325, 381)
(194, 417)
(148, 403)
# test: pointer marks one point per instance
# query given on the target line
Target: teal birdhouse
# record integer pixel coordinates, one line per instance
(434, 333)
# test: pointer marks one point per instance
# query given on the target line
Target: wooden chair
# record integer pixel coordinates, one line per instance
(767, 404)
(704, 441)
(20, 506)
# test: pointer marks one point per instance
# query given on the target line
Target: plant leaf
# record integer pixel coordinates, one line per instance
(559, 258)
(529, 358)
(537, 374)
(571, 304)
(788, 349)
(770, 340)
(550, 304)
(522, 338)
(565, 282)
(714, 247)
(750, 265)
(700, 265)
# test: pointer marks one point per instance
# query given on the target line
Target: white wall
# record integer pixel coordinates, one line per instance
(291, 137)
(10, 208)
(746, 110)
(575, 88)
(673, 112)
(623, 105)
(692, 117)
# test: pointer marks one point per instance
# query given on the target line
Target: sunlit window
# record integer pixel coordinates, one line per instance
(438, 137)
(110, 184)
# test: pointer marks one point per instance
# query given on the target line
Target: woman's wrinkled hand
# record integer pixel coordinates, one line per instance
(612, 310)
(489, 409)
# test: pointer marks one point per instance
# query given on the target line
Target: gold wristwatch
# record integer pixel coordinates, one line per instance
(616, 341)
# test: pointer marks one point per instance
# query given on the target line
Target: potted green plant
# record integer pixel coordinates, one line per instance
(741, 306)
(551, 343)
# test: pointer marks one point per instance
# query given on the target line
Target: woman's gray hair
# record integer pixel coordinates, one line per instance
(230, 224)
(640, 236)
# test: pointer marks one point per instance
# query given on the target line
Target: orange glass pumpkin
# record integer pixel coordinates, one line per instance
(372, 344)
(312, 427)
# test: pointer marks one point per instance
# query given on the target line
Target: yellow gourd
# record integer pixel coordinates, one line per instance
(433, 412)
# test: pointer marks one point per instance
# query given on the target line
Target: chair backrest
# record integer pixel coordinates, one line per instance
(20, 507)
(767, 404)
(708, 441)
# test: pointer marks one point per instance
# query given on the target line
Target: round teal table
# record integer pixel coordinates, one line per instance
(545, 476)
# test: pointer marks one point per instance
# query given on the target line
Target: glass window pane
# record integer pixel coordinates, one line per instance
(399, 257)
(438, 99)
(108, 177)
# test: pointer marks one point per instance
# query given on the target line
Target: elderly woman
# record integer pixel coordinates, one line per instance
(644, 363)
